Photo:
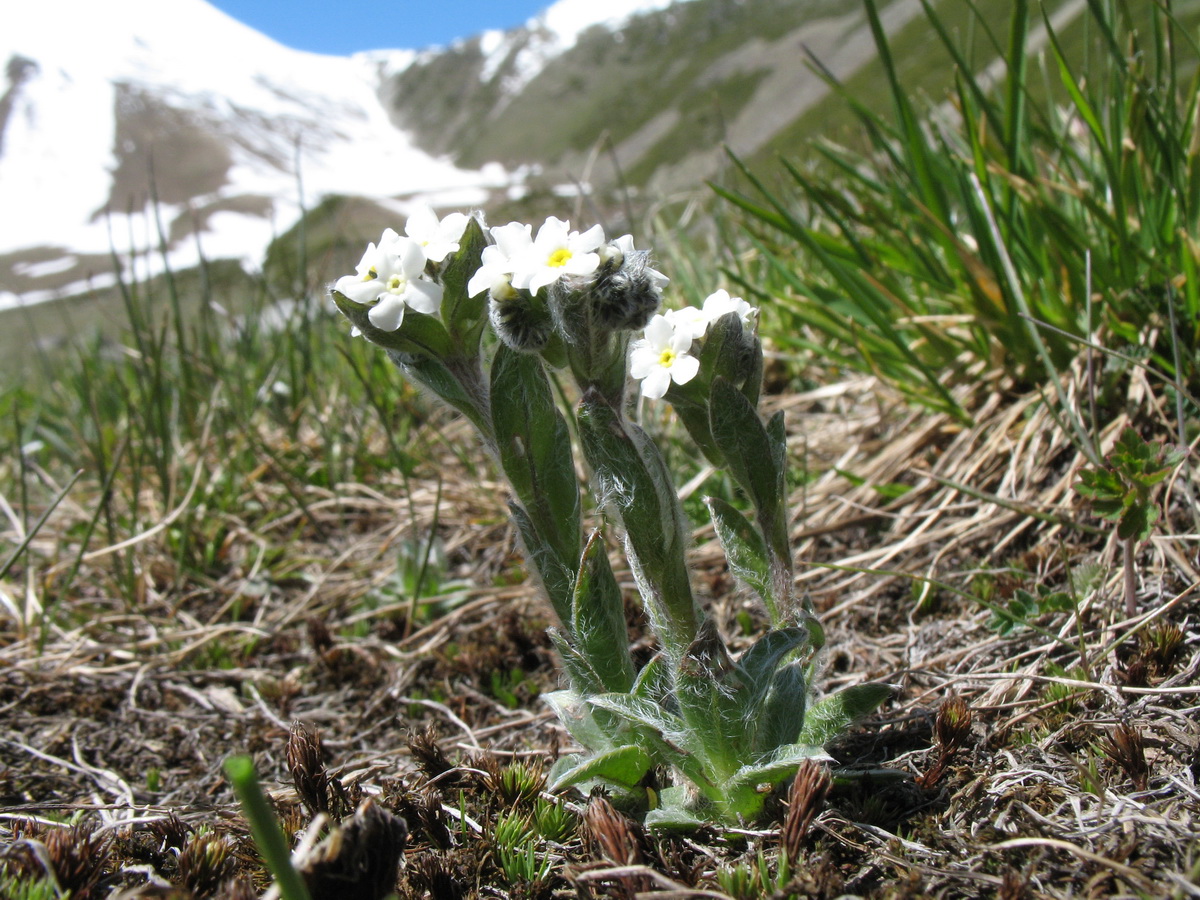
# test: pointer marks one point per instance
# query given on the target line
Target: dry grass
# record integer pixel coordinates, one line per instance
(1071, 772)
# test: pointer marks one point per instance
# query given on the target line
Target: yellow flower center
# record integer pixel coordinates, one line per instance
(667, 357)
(371, 274)
(559, 258)
(397, 284)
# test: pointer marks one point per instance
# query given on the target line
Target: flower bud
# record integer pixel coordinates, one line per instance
(519, 320)
(626, 292)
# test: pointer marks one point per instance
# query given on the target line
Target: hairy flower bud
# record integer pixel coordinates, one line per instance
(519, 321)
(626, 292)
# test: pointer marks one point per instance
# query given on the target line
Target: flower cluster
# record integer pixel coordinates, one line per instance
(390, 277)
(533, 281)
(664, 354)
(610, 281)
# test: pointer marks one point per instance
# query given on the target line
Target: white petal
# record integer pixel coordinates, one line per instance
(588, 241)
(553, 233)
(659, 332)
(625, 244)
(642, 360)
(681, 341)
(411, 257)
(539, 278)
(452, 227)
(422, 225)
(684, 369)
(689, 320)
(358, 290)
(582, 264)
(512, 239)
(424, 296)
(483, 279)
(388, 313)
(656, 383)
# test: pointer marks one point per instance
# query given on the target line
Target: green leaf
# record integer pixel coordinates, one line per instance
(418, 334)
(439, 375)
(695, 419)
(709, 699)
(578, 717)
(465, 316)
(673, 817)
(729, 352)
(557, 578)
(598, 618)
(622, 766)
(783, 713)
(749, 452)
(535, 452)
(744, 548)
(580, 674)
(653, 681)
(775, 768)
(1138, 522)
(635, 481)
(760, 663)
(639, 711)
(831, 716)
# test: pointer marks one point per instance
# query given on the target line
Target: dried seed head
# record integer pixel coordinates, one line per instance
(308, 770)
(1126, 748)
(433, 820)
(79, 858)
(172, 832)
(1162, 646)
(810, 787)
(205, 864)
(953, 723)
(429, 756)
(614, 836)
(320, 791)
(359, 859)
(319, 634)
(435, 874)
(952, 727)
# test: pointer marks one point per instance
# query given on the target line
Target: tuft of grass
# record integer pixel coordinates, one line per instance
(982, 239)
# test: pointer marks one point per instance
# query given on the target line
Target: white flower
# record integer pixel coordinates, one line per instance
(662, 356)
(719, 303)
(557, 251)
(513, 241)
(437, 238)
(696, 321)
(688, 319)
(389, 280)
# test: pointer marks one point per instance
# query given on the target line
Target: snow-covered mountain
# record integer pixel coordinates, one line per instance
(108, 104)
(141, 118)
(129, 119)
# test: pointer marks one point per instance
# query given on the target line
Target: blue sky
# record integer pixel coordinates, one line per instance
(344, 27)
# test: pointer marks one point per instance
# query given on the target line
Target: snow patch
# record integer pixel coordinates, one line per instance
(554, 32)
(297, 126)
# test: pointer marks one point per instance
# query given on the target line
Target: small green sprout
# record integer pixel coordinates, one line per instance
(1122, 492)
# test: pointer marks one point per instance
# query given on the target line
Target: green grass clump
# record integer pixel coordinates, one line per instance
(987, 237)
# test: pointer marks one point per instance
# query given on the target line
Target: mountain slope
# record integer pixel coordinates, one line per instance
(189, 106)
(667, 89)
